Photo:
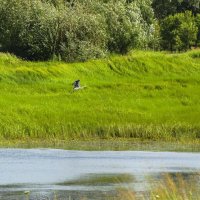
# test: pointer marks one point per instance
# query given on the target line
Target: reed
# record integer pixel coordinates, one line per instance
(178, 187)
(170, 187)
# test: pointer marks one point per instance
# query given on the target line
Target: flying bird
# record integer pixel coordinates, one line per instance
(76, 85)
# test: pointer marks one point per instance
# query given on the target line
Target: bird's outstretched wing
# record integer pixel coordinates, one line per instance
(76, 84)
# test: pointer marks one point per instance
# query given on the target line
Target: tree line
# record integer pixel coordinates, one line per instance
(77, 30)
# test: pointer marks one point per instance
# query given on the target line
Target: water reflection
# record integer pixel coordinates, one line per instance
(105, 186)
(59, 174)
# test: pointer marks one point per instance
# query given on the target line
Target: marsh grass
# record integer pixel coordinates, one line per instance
(178, 187)
(170, 187)
(143, 95)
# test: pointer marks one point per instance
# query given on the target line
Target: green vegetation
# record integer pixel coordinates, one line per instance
(74, 30)
(179, 32)
(165, 8)
(79, 30)
(144, 95)
(178, 24)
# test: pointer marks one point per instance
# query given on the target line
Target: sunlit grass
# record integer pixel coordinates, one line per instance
(177, 187)
(170, 187)
(145, 95)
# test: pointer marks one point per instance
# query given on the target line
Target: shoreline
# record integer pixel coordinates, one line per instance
(106, 145)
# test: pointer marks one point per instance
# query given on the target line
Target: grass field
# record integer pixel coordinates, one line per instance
(145, 95)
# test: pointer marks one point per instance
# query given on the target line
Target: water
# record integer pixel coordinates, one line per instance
(52, 173)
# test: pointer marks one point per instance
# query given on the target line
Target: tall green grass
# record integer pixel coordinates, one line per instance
(143, 95)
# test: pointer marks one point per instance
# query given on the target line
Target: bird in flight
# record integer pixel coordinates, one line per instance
(76, 85)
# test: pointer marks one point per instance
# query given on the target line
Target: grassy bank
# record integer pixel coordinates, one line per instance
(145, 95)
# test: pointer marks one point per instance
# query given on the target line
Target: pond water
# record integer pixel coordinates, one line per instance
(62, 174)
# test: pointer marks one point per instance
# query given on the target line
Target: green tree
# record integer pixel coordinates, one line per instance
(197, 20)
(130, 24)
(74, 30)
(40, 30)
(164, 8)
(179, 32)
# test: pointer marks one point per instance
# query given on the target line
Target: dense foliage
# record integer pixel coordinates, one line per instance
(179, 23)
(163, 8)
(77, 30)
(179, 32)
